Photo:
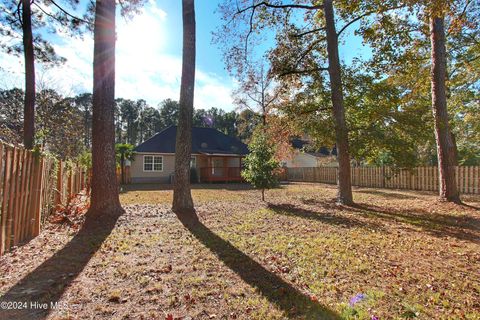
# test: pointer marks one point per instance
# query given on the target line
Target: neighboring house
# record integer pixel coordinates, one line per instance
(215, 156)
(302, 158)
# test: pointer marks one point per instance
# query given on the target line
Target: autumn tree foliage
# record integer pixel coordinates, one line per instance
(305, 50)
(257, 91)
(410, 72)
(434, 40)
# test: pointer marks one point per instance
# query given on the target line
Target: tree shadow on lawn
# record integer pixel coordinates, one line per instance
(288, 209)
(440, 225)
(437, 224)
(390, 194)
(47, 283)
(279, 292)
(195, 186)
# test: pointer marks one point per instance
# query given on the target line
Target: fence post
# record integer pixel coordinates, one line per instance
(383, 176)
(59, 197)
(82, 177)
(21, 176)
(11, 203)
(26, 200)
(475, 181)
(37, 195)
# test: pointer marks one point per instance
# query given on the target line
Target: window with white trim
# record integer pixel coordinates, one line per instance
(152, 163)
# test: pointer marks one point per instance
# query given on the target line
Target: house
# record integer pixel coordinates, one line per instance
(302, 157)
(215, 156)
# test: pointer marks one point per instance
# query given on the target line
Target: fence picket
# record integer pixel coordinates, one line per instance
(27, 193)
(14, 213)
(19, 194)
(462, 179)
(6, 195)
(11, 198)
(476, 180)
(26, 196)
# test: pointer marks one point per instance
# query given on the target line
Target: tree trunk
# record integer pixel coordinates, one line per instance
(104, 200)
(341, 132)
(445, 144)
(263, 195)
(182, 197)
(454, 149)
(29, 107)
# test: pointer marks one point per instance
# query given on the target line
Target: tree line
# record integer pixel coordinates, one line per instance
(63, 125)
(381, 134)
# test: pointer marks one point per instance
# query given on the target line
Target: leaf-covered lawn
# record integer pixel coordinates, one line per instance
(397, 254)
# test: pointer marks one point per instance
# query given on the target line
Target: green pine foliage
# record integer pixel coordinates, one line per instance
(260, 164)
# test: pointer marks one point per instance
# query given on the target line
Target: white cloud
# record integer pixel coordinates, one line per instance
(211, 91)
(143, 68)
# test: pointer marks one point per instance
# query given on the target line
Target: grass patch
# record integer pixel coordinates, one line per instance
(395, 255)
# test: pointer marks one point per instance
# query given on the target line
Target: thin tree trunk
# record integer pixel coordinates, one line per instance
(104, 200)
(263, 194)
(341, 132)
(29, 107)
(182, 197)
(445, 144)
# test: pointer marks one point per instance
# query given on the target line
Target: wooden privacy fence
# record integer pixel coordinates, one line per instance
(127, 177)
(30, 187)
(419, 178)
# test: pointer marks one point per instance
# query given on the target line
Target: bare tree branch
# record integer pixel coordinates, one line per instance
(69, 14)
(299, 35)
(48, 14)
(309, 49)
(466, 62)
(366, 14)
(19, 14)
(253, 98)
(278, 6)
(304, 71)
(249, 31)
(314, 110)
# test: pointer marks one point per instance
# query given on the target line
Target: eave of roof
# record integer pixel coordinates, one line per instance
(204, 140)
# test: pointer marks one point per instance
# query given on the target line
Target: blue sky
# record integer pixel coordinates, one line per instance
(208, 55)
(148, 57)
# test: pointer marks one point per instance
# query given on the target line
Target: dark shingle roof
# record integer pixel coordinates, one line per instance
(322, 152)
(204, 140)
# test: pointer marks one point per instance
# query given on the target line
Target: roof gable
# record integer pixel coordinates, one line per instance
(204, 140)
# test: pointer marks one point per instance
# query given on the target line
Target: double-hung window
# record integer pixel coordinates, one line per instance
(152, 163)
